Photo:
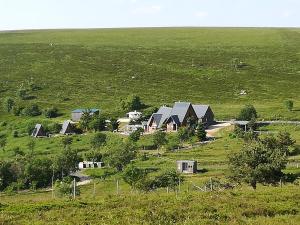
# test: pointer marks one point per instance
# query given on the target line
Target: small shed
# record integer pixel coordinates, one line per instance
(77, 113)
(88, 164)
(187, 166)
(67, 128)
(38, 131)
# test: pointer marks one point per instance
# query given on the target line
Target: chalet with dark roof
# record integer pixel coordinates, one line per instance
(170, 119)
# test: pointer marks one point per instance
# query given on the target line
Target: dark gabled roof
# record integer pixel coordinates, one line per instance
(38, 131)
(180, 109)
(85, 110)
(66, 127)
(165, 114)
(174, 118)
(157, 118)
(200, 110)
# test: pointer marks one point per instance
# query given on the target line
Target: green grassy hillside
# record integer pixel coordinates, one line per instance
(94, 68)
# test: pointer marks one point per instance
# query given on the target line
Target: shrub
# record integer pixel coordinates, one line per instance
(54, 128)
(15, 133)
(22, 93)
(17, 110)
(136, 135)
(32, 110)
(173, 142)
(51, 112)
(132, 102)
(8, 104)
(247, 113)
(289, 104)
(98, 140)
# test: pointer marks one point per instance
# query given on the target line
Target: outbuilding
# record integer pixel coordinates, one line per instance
(67, 128)
(187, 166)
(78, 113)
(38, 131)
(87, 165)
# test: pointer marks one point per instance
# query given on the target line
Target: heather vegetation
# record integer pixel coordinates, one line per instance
(247, 74)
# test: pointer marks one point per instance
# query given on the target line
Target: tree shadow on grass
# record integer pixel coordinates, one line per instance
(202, 170)
(30, 97)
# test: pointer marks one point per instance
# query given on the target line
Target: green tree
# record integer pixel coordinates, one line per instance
(132, 175)
(7, 174)
(38, 170)
(173, 142)
(22, 93)
(258, 162)
(159, 139)
(136, 135)
(85, 120)
(289, 104)
(119, 153)
(66, 141)
(168, 179)
(247, 113)
(98, 140)
(3, 142)
(8, 104)
(183, 134)
(97, 123)
(132, 102)
(67, 161)
(32, 110)
(51, 112)
(31, 146)
(200, 132)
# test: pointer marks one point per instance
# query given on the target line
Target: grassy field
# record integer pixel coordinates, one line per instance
(95, 68)
(241, 205)
(267, 206)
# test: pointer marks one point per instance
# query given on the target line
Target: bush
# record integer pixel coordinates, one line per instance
(64, 188)
(289, 104)
(22, 93)
(54, 128)
(173, 142)
(98, 140)
(135, 136)
(51, 112)
(32, 110)
(17, 110)
(8, 104)
(15, 133)
(30, 127)
(247, 113)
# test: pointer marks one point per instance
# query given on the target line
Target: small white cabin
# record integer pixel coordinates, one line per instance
(87, 165)
(134, 115)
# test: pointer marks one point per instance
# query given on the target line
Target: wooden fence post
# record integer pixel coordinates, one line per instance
(74, 188)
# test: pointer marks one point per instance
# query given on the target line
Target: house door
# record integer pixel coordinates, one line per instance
(174, 127)
(184, 166)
